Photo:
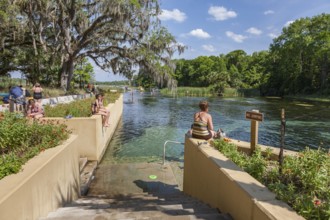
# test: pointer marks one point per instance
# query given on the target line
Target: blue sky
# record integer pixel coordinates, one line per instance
(213, 27)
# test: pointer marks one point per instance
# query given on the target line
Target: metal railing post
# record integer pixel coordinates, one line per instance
(164, 149)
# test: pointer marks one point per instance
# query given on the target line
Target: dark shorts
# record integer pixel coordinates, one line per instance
(209, 136)
(37, 95)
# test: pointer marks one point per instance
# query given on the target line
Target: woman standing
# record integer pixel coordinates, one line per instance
(37, 92)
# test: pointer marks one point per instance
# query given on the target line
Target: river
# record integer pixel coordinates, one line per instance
(150, 120)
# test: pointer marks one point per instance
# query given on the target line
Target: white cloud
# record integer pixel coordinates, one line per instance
(208, 47)
(272, 35)
(268, 12)
(288, 23)
(236, 37)
(175, 14)
(199, 33)
(253, 30)
(221, 13)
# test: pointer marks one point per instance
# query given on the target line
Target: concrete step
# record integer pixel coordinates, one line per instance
(86, 176)
(174, 209)
(82, 163)
(135, 215)
(139, 201)
(145, 207)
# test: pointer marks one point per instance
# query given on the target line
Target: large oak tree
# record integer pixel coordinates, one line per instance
(117, 35)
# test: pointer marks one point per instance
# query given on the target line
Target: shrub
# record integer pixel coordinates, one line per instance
(303, 184)
(22, 139)
(79, 108)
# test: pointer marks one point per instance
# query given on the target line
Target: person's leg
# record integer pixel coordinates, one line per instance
(106, 114)
(107, 118)
(104, 118)
(38, 116)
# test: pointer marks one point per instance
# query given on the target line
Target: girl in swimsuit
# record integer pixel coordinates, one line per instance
(34, 110)
(99, 109)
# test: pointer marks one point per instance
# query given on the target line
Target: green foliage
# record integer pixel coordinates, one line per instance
(210, 91)
(235, 70)
(114, 83)
(188, 91)
(299, 60)
(304, 183)
(79, 108)
(22, 139)
(124, 36)
(144, 81)
(83, 73)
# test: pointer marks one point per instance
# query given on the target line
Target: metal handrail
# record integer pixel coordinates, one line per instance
(169, 141)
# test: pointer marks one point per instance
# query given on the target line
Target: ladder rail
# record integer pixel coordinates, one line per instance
(164, 148)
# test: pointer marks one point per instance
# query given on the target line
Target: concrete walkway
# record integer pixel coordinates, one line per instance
(137, 191)
(132, 178)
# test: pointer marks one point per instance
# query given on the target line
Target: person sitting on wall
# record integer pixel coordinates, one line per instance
(202, 128)
(99, 109)
(34, 110)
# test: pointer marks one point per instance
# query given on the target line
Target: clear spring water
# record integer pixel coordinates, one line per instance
(149, 120)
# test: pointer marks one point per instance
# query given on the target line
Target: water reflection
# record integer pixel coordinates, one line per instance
(151, 120)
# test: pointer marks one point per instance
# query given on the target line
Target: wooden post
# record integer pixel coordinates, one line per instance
(280, 156)
(11, 104)
(255, 116)
(254, 134)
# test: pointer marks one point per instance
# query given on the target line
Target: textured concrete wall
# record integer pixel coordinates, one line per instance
(217, 181)
(93, 138)
(44, 184)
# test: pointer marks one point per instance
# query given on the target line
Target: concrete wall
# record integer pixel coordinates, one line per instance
(245, 147)
(93, 138)
(44, 184)
(217, 181)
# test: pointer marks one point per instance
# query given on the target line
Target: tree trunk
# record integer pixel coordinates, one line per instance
(67, 73)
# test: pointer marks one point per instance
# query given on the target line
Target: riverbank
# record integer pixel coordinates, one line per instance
(313, 98)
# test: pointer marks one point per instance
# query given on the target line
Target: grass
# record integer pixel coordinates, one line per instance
(187, 91)
(207, 91)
